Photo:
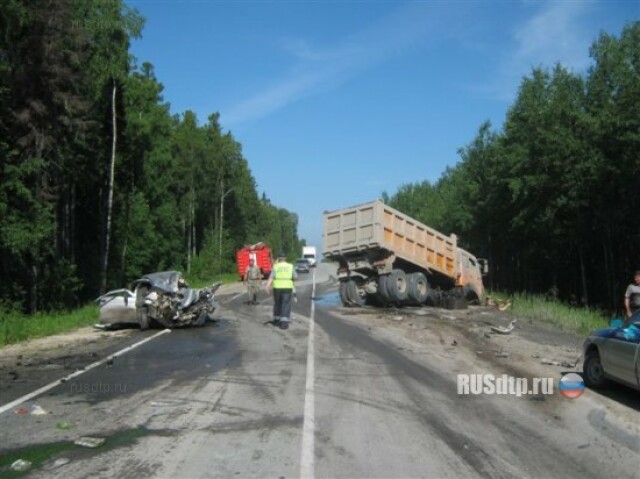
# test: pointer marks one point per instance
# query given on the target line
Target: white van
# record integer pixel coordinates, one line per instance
(309, 252)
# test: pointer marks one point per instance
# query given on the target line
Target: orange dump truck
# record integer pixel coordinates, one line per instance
(385, 256)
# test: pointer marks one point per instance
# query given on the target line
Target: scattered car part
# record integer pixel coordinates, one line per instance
(503, 330)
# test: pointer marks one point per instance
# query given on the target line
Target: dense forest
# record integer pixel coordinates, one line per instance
(99, 182)
(552, 198)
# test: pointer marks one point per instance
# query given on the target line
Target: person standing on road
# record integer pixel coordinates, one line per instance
(253, 281)
(282, 277)
(632, 297)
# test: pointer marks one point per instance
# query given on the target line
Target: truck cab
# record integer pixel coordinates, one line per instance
(309, 252)
(470, 272)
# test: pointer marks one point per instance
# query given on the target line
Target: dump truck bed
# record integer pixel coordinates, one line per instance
(376, 226)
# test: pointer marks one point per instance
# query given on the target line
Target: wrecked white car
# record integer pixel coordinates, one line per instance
(159, 300)
(117, 307)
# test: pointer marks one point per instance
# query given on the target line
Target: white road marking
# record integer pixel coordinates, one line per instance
(307, 456)
(52, 385)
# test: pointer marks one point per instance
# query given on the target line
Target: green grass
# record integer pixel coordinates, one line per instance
(16, 327)
(555, 313)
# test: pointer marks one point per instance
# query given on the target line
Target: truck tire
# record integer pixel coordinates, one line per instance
(383, 294)
(397, 285)
(470, 294)
(353, 294)
(343, 293)
(417, 288)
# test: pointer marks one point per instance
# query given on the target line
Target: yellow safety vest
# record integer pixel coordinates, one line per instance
(283, 276)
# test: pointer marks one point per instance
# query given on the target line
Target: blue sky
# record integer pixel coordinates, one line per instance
(335, 102)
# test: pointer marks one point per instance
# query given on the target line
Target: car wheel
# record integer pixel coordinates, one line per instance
(417, 288)
(592, 370)
(397, 285)
(353, 294)
(143, 317)
(201, 319)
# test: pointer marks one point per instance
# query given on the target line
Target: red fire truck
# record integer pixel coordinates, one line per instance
(259, 252)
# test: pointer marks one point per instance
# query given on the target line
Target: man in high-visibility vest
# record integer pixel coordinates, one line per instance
(282, 277)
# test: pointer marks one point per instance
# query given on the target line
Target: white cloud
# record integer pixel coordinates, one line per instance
(556, 33)
(317, 69)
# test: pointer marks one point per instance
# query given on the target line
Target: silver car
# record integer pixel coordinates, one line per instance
(613, 354)
(117, 307)
(158, 300)
(302, 265)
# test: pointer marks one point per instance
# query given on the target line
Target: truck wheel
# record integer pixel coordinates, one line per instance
(397, 285)
(593, 372)
(343, 293)
(417, 288)
(470, 294)
(383, 293)
(353, 294)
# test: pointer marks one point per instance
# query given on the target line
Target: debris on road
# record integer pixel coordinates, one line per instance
(91, 442)
(38, 411)
(503, 305)
(502, 354)
(22, 411)
(564, 364)
(502, 329)
(64, 425)
(20, 465)
(550, 362)
(61, 461)
(567, 364)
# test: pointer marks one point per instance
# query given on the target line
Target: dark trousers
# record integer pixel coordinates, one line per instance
(282, 304)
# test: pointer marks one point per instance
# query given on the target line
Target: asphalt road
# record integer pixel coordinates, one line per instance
(330, 397)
